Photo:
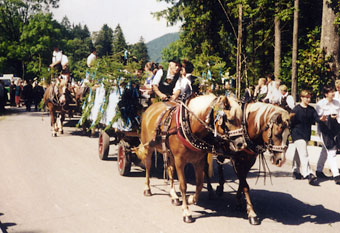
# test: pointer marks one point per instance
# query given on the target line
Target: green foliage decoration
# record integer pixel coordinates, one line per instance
(110, 72)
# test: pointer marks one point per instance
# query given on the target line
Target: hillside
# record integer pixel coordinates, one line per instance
(155, 46)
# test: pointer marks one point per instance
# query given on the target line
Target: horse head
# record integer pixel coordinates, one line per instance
(228, 121)
(268, 125)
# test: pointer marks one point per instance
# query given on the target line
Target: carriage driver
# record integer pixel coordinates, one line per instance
(60, 64)
(163, 86)
(185, 86)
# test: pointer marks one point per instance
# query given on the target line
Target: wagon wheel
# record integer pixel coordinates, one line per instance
(104, 145)
(124, 162)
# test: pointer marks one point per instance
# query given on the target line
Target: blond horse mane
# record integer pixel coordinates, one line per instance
(267, 111)
(200, 104)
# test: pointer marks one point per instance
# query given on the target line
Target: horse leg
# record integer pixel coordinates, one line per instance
(199, 173)
(187, 217)
(173, 194)
(242, 169)
(209, 187)
(53, 121)
(61, 123)
(147, 162)
(221, 180)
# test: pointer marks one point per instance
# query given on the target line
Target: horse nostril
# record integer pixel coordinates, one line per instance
(239, 145)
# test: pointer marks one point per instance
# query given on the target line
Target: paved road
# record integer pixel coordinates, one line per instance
(59, 185)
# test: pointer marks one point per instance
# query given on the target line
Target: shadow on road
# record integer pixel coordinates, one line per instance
(277, 206)
(4, 226)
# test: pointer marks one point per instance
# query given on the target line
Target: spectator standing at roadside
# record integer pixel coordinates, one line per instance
(301, 122)
(18, 92)
(329, 109)
(28, 95)
(337, 88)
(273, 95)
(286, 101)
(2, 97)
(12, 89)
(261, 90)
(38, 93)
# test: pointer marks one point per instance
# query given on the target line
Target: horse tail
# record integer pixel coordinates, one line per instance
(141, 150)
(210, 158)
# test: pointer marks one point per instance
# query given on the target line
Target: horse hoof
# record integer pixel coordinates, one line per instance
(188, 219)
(147, 193)
(254, 221)
(175, 202)
(62, 132)
(219, 190)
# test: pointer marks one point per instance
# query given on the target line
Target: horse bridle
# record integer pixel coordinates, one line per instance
(260, 149)
(270, 145)
(221, 119)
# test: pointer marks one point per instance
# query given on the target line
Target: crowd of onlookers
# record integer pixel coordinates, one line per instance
(21, 93)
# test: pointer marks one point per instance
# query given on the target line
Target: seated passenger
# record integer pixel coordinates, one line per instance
(185, 86)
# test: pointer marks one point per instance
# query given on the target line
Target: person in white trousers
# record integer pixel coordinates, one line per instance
(329, 108)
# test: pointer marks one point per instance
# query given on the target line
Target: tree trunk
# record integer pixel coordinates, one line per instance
(239, 49)
(277, 49)
(294, 52)
(330, 36)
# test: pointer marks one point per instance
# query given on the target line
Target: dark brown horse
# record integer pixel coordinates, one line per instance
(209, 123)
(56, 98)
(267, 128)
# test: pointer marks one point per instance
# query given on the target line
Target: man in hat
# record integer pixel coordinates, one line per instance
(163, 87)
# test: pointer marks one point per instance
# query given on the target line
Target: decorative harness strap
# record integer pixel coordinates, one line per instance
(192, 141)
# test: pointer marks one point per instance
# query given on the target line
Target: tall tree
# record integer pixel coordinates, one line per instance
(330, 35)
(103, 41)
(140, 51)
(14, 17)
(295, 50)
(277, 46)
(119, 44)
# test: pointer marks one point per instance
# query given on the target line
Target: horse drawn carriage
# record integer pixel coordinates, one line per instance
(185, 133)
(115, 112)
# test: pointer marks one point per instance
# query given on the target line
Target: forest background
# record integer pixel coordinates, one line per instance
(240, 40)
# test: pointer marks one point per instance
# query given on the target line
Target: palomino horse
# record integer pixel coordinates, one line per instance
(56, 99)
(185, 134)
(266, 128)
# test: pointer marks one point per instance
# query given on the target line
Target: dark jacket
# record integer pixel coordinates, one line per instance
(302, 121)
(166, 88)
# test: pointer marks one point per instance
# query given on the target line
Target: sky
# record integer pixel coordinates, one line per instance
(133, 16)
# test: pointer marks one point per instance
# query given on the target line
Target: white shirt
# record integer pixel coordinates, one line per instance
(274, 96)
(183, 84)
(57, 56)
(91, 59)
(64, 60)
(289, 100)
(323, 107)
(337, 95)
(157, 78)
